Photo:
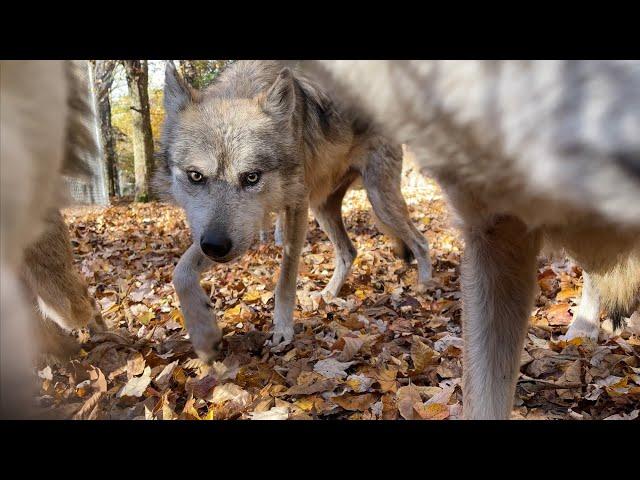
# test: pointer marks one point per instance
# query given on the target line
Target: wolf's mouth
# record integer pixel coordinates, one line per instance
(228, 258)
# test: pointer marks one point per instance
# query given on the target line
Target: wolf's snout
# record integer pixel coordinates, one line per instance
(215, 245)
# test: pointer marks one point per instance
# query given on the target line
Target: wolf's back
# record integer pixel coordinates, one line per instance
(568, 131)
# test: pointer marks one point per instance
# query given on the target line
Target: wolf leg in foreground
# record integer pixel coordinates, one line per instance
(60, 293)
(42, 128)
(263, 140)
(524, 150)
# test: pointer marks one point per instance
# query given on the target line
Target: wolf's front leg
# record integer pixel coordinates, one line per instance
(196, 307)
(277, 233)
(295, 228)
(586, 323)
(498, 285)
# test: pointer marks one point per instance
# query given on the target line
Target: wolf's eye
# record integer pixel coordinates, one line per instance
(195, 177)
(251, 178)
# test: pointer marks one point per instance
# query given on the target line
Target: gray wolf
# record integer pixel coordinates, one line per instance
(264, 139)
(44, 128)
(528, 152)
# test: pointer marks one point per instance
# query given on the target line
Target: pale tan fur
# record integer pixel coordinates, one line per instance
(58, 290)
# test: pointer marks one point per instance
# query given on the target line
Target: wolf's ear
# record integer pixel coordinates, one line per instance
(280, 100)
(177, 94)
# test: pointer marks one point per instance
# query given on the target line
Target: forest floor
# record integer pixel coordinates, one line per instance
(381, 351)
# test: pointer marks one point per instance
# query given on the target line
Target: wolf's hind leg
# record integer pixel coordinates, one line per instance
(586, 323)
(329, 216)
(498, 286)
(266, 227)
(60, 292)
(196, 307)
(381, 178)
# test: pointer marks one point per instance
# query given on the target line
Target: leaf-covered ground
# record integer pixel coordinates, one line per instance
(381, 351)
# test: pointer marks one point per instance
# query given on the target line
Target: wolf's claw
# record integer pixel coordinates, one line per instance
(282, 335)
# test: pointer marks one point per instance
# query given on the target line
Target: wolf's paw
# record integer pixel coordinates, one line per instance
(205, 335)
(421, 287)
(208, 348)
(328, 293)
(582, 329)
(426, 284)
(282, 335)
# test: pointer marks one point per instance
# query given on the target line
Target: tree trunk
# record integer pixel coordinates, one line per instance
(137, 80)
(189, 71)
(103, 79)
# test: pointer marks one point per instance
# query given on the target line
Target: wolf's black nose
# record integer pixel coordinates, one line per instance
(215, 245)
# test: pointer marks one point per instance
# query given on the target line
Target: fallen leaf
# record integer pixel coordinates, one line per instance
(136, 386)
(408, 397)
(276, 413)
(332, 368)
(355, 402)
(432, 411)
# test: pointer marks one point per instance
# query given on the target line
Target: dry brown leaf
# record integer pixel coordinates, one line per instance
(355, 402)
(432, 411)
(408, 397)
(422, 355)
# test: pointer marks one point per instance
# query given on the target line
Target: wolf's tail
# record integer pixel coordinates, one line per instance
(400, 249)
(619, 288)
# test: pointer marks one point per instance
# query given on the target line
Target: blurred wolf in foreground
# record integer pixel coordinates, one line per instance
(527, 152)
(264, 139)
(44, 133)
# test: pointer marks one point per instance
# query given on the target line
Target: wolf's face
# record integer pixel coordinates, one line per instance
(229, 162)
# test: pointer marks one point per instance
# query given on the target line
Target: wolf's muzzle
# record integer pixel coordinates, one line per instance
(215, 245)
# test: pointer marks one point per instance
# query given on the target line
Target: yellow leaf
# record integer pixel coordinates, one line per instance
(432, 411)
(210, 415)
(146, 317)
(176, 316)
(306, 403)
(577, 341)
(361, 294)
(233, 312)
(252, 296)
